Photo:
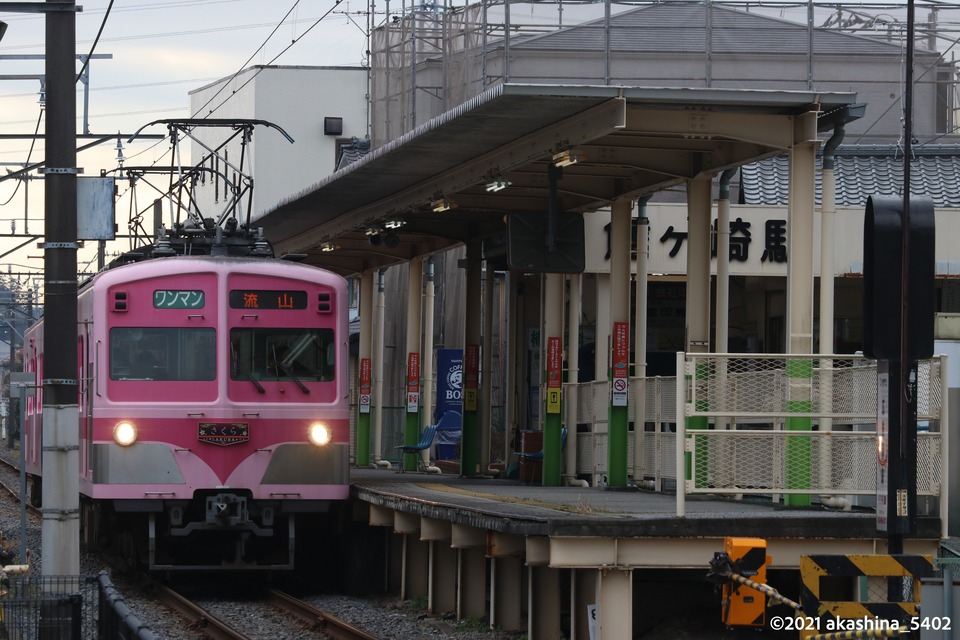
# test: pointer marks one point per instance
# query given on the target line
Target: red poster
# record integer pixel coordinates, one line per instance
(471, 366)
(413, 372)
(554, 362)
(621, 350)
(365, 375)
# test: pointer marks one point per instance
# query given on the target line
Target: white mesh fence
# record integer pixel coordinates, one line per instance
(763, 424)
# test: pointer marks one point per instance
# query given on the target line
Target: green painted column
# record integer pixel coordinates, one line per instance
(618, 378)
(552, 469)
(364, 396)
(797, 470)
(363, 415)
(411, 422)
(552, 417)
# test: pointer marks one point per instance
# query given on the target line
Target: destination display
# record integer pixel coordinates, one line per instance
(178, 299)
(267, 299)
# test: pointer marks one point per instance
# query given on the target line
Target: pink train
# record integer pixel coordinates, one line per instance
(214, 417)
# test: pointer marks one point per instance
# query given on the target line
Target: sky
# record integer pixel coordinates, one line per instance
(161, 50)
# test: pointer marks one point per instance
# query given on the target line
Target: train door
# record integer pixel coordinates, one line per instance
(85, 373)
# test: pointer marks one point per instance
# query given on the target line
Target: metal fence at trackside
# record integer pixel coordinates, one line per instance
(115, 618)
(48, 607)
(739, 419)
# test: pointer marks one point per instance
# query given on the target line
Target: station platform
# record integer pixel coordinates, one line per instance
(507, 507)
(553, 561)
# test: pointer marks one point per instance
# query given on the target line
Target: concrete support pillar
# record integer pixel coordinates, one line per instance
(416, 567)
(443, 577)
(698, 295)
(362, 455)
(619, 419)
(552, 364)
(472, 567)
(411, 431)
(543, 603)
(486, 365)
(614, 598)
(800, 304)
(470, 437)
(571, 398)
(426, 377)
(698, 265)
(506, 595)
(378, 348)
(800, 237)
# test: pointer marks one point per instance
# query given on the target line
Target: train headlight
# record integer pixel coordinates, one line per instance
(125, 434)
(319, 434)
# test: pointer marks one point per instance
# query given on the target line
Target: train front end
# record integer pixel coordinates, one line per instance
(218, 414)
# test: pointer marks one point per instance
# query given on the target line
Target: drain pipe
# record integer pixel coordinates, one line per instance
(378, 377)
(828, 209)
(721, 339)
(426, 367)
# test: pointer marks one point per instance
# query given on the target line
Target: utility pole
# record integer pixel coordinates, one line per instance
(60, 541)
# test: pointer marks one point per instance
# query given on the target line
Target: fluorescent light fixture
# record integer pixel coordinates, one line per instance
(372, 231)
(394, 223)
(327, 247)
(567, 158)
(443, 204)
(498, 184)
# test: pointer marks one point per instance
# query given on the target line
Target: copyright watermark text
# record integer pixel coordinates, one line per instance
(827, 625)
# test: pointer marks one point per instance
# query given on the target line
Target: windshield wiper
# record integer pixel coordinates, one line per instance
(250, 377)
(300, 384)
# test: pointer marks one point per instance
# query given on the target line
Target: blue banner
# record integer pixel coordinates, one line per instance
(449, 382)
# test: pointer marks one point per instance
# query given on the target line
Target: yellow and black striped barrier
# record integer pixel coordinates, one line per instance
(830, 612)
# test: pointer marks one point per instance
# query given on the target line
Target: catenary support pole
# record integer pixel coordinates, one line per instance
(60, 539)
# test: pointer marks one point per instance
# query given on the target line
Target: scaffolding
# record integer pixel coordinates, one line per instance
(429, 58)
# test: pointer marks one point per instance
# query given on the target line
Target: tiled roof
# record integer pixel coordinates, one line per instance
(862, 171)
(353, 151)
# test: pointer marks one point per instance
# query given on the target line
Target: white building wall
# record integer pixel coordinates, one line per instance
(296, 99)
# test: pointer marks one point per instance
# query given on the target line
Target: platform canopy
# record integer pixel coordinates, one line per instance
(628, 141)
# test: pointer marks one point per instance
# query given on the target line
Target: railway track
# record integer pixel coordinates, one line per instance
(216, 627)
(14, 491)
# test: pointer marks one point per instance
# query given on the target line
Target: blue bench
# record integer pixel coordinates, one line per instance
(426, 441)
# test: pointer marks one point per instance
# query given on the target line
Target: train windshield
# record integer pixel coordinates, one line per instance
(163, 353)
(299, 355)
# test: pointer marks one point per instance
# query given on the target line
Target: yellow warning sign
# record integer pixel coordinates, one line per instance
(470, 400)
(553, 400)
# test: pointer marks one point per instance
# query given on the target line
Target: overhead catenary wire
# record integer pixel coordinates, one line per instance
(336, 3)
(93, 47)
(33, 144)
(252, 56)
